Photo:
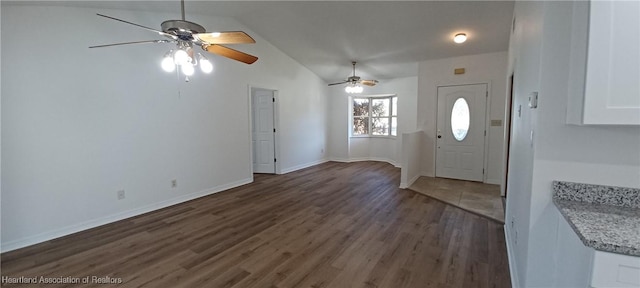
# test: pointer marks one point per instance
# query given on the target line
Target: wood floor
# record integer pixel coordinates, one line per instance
(332, 225)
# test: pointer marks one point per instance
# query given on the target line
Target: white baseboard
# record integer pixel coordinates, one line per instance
(409, 183)
(427, 174)
(360, 159)
(492, 181)
(384, 160)
(510, 256)
(49, 235)
(302, 166)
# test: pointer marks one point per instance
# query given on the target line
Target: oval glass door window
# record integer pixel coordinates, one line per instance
(460, 119)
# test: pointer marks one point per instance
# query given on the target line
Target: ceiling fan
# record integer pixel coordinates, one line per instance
(185, 35)
(354, 81)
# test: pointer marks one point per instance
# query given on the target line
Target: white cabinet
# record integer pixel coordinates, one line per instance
(582, 266)
(615, 270)
(604, 81)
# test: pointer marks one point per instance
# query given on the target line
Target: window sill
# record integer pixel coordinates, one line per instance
(375, 137)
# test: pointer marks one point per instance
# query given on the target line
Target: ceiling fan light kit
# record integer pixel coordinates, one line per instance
(185, 35)
(353, 89)
(185, 58)
(354, 81)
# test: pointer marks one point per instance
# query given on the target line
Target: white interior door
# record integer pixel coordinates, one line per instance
(461, 132)
(263, 132)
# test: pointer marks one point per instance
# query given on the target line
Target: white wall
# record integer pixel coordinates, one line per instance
(0, 124)
(526, 79)
(410, 155)
(345, 148)
(481, 68)
(607, 155)
(339, 124)
(79, 124)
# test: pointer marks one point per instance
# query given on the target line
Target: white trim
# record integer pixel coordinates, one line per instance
(343, 160)
(487, 132)
(360, 159)
(390, 117)
(302, 166)
(276, 125)
(373, 95)
(507, 123)
(427, 174)
(493, 181)
(375, 137)
(487, 126)
(49, 235)
(249, 122)
(510, 256)
(409, 183)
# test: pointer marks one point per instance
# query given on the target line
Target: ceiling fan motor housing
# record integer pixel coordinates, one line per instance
(181, 28)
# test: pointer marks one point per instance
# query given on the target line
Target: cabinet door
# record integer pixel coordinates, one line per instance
(615, 270)
(612, 90)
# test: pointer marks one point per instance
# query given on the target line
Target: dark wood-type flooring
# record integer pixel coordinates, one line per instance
(331, 225)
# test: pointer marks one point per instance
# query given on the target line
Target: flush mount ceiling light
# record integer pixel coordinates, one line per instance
(460, 38)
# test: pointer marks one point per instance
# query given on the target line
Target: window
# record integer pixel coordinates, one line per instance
(460, 119)
(375, 116)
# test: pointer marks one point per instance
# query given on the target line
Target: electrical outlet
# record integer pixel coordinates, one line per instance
(120, 194)
(174, 183)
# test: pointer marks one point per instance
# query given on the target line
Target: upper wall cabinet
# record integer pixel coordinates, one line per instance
(604, 83)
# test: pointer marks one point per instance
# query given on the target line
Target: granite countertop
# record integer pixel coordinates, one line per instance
(606, 218)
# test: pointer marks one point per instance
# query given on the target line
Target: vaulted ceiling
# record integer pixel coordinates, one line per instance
(387, 38)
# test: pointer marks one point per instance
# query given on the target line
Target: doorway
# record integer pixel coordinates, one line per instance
(263, 130)
(461, 132)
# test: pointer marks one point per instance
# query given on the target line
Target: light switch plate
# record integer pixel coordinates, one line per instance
(533, 100)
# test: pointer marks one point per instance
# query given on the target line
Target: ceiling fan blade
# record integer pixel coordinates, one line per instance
(226, 37)
(134, 42)
(369, 82)
(174, 37)
(338, 83)
(230, 53)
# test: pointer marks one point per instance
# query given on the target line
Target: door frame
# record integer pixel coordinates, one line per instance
(487, 122)
(276, 125)
(507, 133)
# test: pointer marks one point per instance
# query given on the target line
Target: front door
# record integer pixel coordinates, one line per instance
(461, 132)
(263, 131)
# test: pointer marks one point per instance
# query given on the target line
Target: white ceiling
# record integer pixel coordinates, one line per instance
(387, 38)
